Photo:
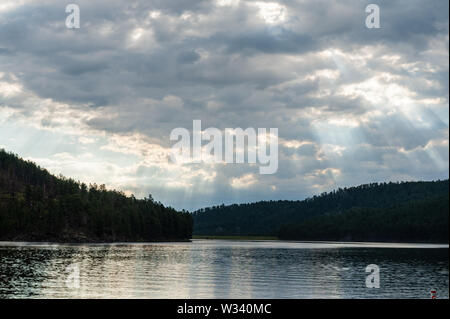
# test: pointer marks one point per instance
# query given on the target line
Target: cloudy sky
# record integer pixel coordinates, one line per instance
(353, 105)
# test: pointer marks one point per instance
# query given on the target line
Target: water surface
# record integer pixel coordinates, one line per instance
(222, 269)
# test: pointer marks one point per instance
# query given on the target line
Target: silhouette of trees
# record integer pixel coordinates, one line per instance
(266, 218)
(420, 221)
(35, 205)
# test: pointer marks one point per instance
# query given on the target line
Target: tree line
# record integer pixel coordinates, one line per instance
(267, 218)
(35, 205)
(416, 221)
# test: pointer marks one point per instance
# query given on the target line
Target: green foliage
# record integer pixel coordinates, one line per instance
(421, 221)
(35, 205)
(267, 217)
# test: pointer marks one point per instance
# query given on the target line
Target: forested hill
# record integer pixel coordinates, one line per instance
(416, 221)
(37, 206)
(268, 217)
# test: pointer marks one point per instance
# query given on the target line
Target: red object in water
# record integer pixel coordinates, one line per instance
(433, 294)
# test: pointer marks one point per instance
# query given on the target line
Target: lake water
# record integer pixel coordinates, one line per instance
(222, 269)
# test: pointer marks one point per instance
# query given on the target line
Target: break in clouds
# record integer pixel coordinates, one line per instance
(352, 105)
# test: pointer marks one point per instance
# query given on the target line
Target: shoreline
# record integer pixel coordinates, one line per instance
(330, 244)
(85, 241)
(6, 243)
(273, 238)
(250, 237)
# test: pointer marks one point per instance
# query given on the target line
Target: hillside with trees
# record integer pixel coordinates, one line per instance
(37, 206)
(415, 221)
(352, 208)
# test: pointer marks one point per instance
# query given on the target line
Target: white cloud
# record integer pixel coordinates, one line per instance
(244, 181)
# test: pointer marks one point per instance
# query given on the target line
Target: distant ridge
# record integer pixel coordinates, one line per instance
(288, 219)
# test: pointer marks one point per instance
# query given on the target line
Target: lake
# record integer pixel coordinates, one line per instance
(222, 269)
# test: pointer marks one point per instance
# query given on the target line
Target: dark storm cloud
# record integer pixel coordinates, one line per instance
(283, 41)
(39, 31)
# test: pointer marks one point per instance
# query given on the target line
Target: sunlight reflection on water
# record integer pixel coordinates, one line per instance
(223, 269)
